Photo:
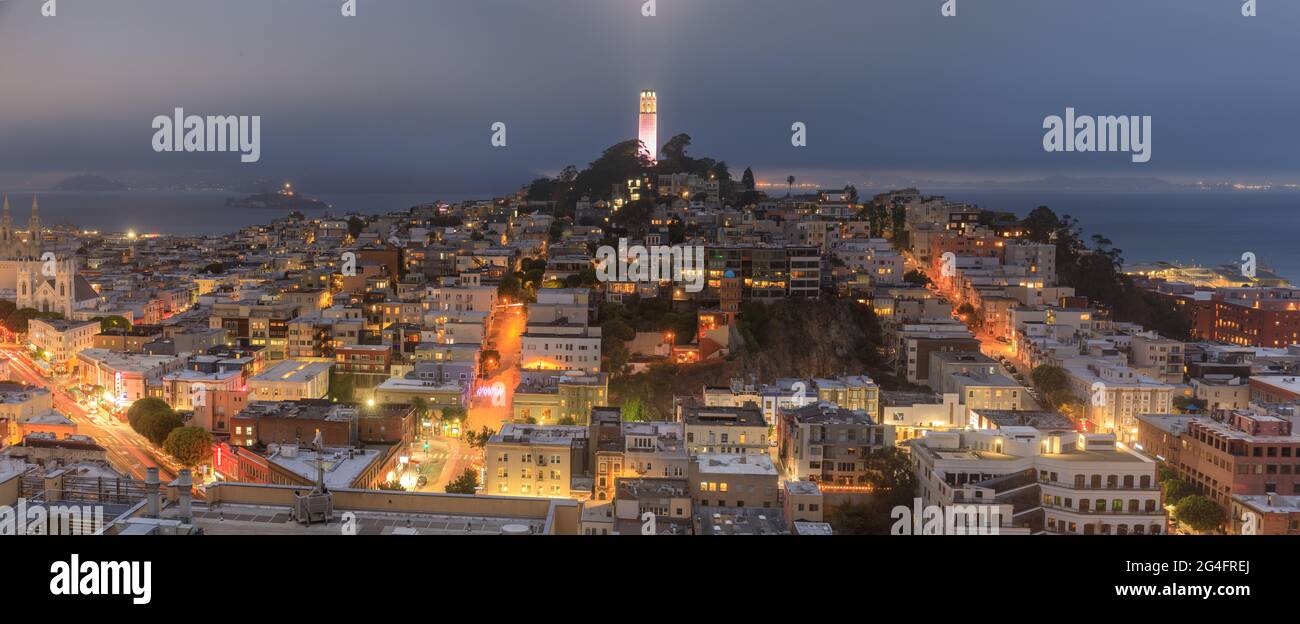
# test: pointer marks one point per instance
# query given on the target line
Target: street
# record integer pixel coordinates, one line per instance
(487, 409)
(127, 450)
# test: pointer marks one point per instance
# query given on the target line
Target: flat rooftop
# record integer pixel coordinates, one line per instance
(342, 465)
(1170, 423)
(740, 521)
(242, 519)
(542, 435)
(727, 416)
(126, 362)
(802, 488)
(824, 413)
(802, 527)
(1042, 420)
(293, 371)
(735, 463)
(1269, 503)
(306, 409)
(63, 325)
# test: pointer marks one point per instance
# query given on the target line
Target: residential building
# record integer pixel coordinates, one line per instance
(1053, 482)
(58, 341)
(737, 430)
(538, 461)
(291, 380)
(828, 444)
(734, 480)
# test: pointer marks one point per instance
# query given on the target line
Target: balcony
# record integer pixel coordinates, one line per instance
(1100, 488)
(1158, 511)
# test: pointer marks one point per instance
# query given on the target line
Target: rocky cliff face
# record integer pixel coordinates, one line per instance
(798, 339)
(791, 339)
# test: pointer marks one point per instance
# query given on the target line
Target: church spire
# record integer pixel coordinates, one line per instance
(6, 224)
(34, 227)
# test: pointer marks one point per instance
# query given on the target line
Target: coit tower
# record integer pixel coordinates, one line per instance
(649, 134)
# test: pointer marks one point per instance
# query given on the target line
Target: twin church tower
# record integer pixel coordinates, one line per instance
(48, 284)
(12, 247)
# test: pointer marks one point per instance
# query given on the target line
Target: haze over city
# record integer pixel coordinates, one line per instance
(401, 97)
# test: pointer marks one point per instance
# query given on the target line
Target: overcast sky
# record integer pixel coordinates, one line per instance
(405, 93)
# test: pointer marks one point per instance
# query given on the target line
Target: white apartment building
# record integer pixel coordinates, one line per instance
(1059, 482)
(291, 380)
(913, 414)
(561, 346)
(59, 341)
(1114, 395)
(458, 298)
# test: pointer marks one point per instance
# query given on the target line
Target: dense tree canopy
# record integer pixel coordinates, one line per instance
(190, 446)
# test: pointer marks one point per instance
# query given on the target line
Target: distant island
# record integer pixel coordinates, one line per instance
(88, 183)
(283, 199)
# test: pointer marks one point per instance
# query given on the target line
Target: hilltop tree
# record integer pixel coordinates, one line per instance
(616, 165)
(747, 180)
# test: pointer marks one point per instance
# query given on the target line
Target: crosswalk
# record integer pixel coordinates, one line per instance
(444, 456)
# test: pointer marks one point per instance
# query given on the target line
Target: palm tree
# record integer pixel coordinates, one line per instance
(789, 186)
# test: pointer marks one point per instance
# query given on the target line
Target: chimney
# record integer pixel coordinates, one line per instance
(184, 487)
(151, 484)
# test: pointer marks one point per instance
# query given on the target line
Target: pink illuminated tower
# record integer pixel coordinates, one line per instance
(649, 134)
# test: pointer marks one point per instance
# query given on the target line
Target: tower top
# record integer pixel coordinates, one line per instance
(649, 103)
